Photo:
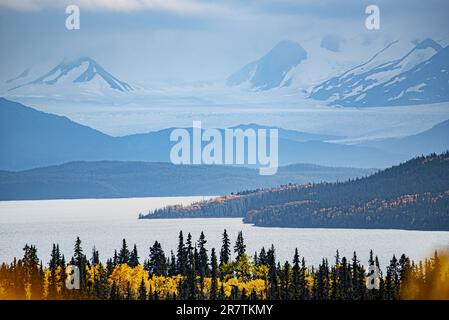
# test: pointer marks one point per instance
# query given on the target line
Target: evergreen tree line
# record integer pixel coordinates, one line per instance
(413, 195)
(192, 272)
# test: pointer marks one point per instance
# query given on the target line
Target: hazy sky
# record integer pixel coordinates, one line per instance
(154, 40)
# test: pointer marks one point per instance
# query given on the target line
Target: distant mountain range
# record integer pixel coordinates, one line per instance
(413, 195)
(114, 179)
(434, 140)
(289, 66)
(420, 76)
(30, 138)
(401, 73)
(82, 75)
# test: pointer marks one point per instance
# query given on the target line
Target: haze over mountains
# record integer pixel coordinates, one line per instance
(432, 140)
(420, 75)
(30, 138)
(120, 179)
(400, 73)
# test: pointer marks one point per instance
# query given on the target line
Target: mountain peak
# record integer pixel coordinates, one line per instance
(92, 69)
(428, 43)
(77, 62)
(270, 70)
(80, 70)
(287, 46)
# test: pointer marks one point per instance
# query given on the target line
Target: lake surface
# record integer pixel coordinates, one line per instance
(105, 222)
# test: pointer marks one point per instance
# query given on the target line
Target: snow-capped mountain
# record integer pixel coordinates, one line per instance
(82, 76)
(420, 76)
(291, 67)
(269, 71)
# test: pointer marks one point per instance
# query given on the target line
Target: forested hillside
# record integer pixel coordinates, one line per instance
(413, 195)
(124, 179)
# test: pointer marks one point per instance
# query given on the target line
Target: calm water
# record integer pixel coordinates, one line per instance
(105, 222)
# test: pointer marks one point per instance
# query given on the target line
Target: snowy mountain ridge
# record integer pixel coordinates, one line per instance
(82, 75)
(419, 76)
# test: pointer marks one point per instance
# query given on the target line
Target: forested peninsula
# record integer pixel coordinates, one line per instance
(413, 195)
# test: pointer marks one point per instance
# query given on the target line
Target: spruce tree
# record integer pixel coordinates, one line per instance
(214, 276)
(203, 260)
(303, 282)
(189, 245)
(142, 290)
(101, 286)
(256, 259)
(95, 259)
(172, 265)
(191, 282)
(157, 262)
(321, 282)
(286, 282)
(296, 277)
(357, 275)
(115, 260)
(134, 258)
(109, 266)
(263, 257)
(225, 252)
(124, 254)
(80, 260)
(392, 279)
(32, 273)
(240, 246)
(346, 280)
(273, 292)
(436, 270)
(181, 260)
(54, 264)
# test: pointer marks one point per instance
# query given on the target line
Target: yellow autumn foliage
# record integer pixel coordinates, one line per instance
(93, 273)
(59, 272)
(436, 284)
(167, 286)
(257, 285)
(123, 274)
